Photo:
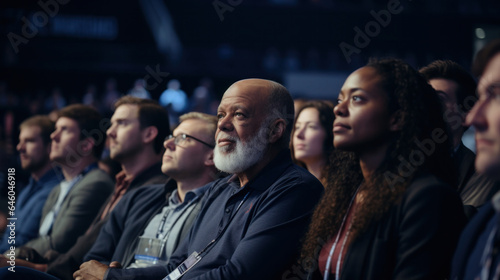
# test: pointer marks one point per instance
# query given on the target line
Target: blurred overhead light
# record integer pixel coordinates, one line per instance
(480, 33)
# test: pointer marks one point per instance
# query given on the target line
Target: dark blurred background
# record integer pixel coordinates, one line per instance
(58, 52)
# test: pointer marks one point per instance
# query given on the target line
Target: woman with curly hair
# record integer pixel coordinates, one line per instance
(312, 136)
(388, 211)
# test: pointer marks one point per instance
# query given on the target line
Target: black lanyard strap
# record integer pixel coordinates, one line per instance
(209, 245)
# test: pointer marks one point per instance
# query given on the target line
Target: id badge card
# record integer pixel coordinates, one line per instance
(148, 252)
(186, 265)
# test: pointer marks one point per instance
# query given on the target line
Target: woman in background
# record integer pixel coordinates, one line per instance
(312, 138)
(388, 211)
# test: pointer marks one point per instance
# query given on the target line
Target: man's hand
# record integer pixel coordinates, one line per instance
(38, 266)
(115, 264)
(29, 254)
(3, 261)
(91, 270)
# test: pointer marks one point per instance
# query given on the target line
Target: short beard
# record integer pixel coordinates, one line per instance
(244, 155)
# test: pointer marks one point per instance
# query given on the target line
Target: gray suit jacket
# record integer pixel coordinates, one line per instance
(78, 210)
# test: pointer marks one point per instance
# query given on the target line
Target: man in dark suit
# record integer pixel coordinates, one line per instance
(457, 90)
(477, 255)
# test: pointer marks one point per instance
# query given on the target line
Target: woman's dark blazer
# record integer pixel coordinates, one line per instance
(414, 240)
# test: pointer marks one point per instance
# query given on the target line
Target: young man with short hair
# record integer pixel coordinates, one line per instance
(77, 143)
(34, 152)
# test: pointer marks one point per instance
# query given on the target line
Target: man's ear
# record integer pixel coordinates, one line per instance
(209, 159)
(85, 146)
(277, 129)
(396, 121)
(149, 134)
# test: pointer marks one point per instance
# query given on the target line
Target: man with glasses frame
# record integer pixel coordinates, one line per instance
(153, 212)
(183, 136)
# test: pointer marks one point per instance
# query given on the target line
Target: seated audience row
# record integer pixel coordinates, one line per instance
(136, 133)
(244, 215)
(380, 196)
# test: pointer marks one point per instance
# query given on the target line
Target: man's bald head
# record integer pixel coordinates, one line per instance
(276, 101)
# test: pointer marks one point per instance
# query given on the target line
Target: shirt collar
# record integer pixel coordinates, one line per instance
(50, 175)
(201, 190)
(270, 173)
(75, 180)
(89, 168)
(67, 185)
(121, 176)
(190, 195)
(146, 174)
(53, 175)
(122, 182)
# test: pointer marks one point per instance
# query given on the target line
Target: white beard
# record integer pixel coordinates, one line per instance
(244, 155)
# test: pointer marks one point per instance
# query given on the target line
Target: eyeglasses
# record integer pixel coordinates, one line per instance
(183, 136)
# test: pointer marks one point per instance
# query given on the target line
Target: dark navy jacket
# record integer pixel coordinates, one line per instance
(263, 239)
(472, 243)
(65, 264)
(127, 221)
(415, 239)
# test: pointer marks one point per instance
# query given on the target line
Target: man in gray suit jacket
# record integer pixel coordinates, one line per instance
(77, 144)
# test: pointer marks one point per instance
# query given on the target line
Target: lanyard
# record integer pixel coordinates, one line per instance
(332, 250)
(159, 232)
(226, 226)
(195, 257)
(487, 258)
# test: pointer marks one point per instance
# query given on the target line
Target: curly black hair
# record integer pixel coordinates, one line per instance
(420, 114)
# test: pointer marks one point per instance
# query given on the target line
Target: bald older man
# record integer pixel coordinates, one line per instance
(252, 222)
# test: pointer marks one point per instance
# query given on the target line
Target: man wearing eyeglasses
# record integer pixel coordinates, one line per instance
(153, 213)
